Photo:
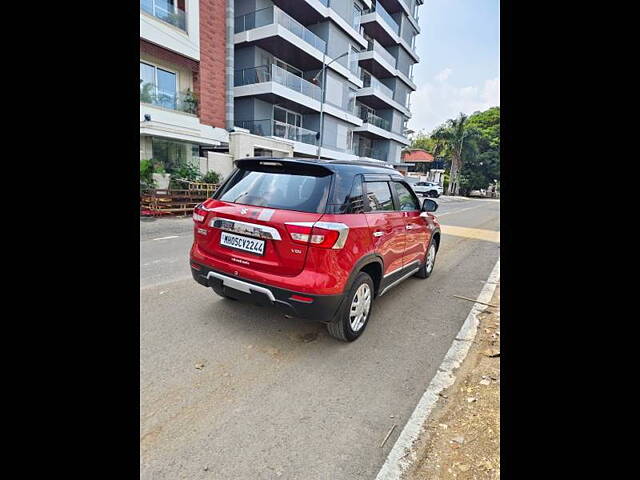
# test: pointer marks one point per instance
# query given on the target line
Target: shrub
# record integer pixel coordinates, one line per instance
(211, 177)
(186, 171)
(146, 171)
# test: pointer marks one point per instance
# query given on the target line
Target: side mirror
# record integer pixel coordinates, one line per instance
(429, 205)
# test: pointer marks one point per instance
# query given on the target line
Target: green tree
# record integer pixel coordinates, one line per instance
(458, 142)
(488, 124)
(484, 169)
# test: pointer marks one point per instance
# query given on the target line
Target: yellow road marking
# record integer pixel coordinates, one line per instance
(475, 233)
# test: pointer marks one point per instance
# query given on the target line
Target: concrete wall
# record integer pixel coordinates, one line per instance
(242, 145)
(145, 147)
(222, 163)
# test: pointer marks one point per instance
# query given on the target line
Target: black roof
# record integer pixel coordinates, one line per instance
(355, 166)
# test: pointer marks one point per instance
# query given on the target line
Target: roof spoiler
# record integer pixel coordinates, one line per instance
(282, 165)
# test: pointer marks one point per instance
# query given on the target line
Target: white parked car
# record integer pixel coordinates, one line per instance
(430, 189)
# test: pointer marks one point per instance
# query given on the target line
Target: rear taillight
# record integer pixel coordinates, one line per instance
(319, 234)
(199, 214)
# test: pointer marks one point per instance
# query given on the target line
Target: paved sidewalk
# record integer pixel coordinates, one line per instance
(461, 439)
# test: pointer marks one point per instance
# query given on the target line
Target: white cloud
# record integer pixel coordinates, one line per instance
(443, 75)
(437, 101)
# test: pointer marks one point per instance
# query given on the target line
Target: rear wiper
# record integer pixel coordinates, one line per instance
(239, 197)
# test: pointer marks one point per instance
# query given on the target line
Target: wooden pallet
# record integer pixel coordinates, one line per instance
(171, 201)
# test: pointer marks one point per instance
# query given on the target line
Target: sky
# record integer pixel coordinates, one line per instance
(459, 68)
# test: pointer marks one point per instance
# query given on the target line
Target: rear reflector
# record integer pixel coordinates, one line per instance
(195, 266)
(300, 298)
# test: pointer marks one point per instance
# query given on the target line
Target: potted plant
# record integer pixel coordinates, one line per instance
(190, 102)
(160, 177)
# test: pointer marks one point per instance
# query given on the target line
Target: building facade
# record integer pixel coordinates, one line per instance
(182, 66)
(357, 109)
(361, 104)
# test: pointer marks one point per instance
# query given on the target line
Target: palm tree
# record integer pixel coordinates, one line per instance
(456, 140)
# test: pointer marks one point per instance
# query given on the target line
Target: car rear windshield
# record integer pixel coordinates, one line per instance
(303, 191)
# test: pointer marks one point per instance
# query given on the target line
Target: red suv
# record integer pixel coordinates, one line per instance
(318, 239)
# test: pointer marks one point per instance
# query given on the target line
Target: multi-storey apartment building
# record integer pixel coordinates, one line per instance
(361, 104)
(182, 78)
(357, 108)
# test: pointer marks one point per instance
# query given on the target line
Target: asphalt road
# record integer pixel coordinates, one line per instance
(236, 391)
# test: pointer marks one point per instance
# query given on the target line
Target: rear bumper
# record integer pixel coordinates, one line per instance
(322, 308)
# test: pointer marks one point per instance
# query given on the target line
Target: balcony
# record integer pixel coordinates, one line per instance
(274, 73)
(377, 60)
(165, 11)
(371, 118)
(269, 127)
(275, 16)
(179, 101)
(376, 85)
(369, 152)
(375, 46)
(386, 17)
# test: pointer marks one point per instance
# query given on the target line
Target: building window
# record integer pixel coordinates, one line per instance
(158, 86)
(173, 153)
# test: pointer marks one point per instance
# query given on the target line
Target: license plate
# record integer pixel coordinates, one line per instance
(251, 245)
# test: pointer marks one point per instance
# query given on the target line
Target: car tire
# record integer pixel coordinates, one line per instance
(426, 269)
(349, 323)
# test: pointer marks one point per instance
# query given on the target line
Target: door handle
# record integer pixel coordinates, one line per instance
(378, 233)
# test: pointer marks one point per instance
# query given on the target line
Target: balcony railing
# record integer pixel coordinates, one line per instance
(386, 17)
(166, 12)
(271, 15)
(369, 152)
(355, 23)
(375, 46)
(370, 81)
(269, 127)
(274, 73)
(371, 118)
(180, 101)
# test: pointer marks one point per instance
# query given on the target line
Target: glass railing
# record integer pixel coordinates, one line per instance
(369, 152)
(270, 15)
(375, 46)
(370, 81)
(166, 12)
(170, 99)
(274, 73)
(355, 23)
(292, 132)
(354, 66)
(371, 118)
(386, 17)
(269, 127)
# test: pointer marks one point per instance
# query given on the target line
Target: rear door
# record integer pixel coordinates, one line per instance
(253, 208)
(386, 225)
(417, 234)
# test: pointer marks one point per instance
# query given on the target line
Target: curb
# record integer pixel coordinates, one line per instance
(401, 455)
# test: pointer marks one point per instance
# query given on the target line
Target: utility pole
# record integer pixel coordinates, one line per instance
(314, 80)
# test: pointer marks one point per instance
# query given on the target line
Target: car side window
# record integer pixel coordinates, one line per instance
(379, 196)
(356, 197)
(407, 200)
